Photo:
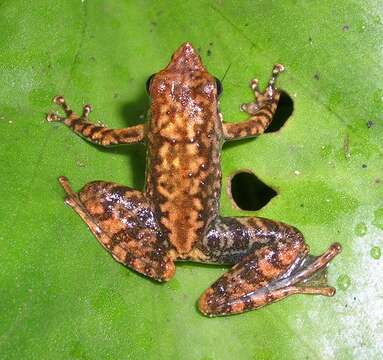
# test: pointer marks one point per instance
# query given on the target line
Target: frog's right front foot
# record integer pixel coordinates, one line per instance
(70, 115)
(269, 96)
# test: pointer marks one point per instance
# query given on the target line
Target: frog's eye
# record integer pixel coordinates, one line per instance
(218, 84)
(148, 82)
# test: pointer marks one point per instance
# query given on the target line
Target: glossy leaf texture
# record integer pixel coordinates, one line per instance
(63, 297)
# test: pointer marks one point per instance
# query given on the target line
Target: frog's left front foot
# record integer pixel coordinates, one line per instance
(261, 111)
(267, 276)
(269, 97)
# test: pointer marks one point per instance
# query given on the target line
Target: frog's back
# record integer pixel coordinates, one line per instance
(184, 145)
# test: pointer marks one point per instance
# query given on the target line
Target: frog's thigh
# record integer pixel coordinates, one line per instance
(230, 239)
(124, 223)
(273, 264)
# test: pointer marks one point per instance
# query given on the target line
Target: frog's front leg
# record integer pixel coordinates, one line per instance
(123, 222)
(261, 111)
(272, 262)
(95, 133)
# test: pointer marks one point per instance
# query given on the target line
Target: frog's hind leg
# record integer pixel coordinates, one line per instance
(272, 262)
(123, 222)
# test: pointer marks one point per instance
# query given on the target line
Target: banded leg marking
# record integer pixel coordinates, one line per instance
(123, 223)
(273, 263)
(96, 134)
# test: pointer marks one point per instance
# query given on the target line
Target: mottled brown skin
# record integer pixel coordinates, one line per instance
(184, 146)
(177, 216)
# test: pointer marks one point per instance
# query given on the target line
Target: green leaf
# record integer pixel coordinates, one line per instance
(63, 297)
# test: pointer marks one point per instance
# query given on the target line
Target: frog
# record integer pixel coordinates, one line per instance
(176, 216)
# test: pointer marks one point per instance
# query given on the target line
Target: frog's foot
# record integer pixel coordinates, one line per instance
(308, 274)
(123, 222)
(267, 276)
(70, 115)
(261, 111)
(264, 99)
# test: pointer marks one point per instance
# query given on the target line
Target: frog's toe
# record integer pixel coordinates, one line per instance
(60, 100)
(254, 84)
(52, 117)
(270, 89)
(278, 68)
(86, 110)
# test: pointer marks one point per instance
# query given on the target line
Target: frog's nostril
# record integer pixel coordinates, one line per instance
(284, 111)
(248, 192)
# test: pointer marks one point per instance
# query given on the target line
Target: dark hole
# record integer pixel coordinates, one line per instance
(250, 193)
(284, 110)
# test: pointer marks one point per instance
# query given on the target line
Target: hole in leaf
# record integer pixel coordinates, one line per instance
(284, 110)
(248, 192)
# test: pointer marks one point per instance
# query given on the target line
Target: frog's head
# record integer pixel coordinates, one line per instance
(184, 79)
(185, 59)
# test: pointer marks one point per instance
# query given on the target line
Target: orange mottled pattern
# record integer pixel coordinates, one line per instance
(184, 144)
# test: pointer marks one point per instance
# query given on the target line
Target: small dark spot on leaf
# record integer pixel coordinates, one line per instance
(364, 166)
(346, 147)
(310, 40)
(316, 76)
(79, 163)
(370, 124)
(302, 205)
(345, 27)
(211, 44)
(208, 52)
(377, 181)
(248, 192)
(92, 58)
(116, 95)
(247, 24)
